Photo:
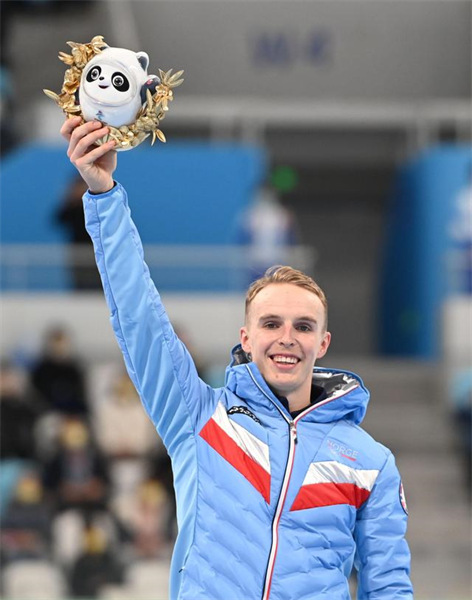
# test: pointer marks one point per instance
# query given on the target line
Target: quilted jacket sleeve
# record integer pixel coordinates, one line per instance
(158, 363)
(383, 556)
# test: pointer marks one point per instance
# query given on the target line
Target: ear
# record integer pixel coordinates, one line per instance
(324, 345)
(143, 60)
(151, 83)
(244, 339)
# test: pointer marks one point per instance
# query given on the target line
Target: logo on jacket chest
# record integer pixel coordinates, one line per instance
(243, 411)
(338, 449)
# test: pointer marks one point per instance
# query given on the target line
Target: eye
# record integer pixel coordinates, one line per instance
(270, 325)
(93, 74)
(304, 328)
(120, 82)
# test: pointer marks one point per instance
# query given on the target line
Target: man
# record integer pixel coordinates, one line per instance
(279, 492)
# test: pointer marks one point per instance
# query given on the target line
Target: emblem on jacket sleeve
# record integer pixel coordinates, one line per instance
(403, 498)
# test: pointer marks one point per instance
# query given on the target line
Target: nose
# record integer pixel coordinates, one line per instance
(286, 337)
(101, 78)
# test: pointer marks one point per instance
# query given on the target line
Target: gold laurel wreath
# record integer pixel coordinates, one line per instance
(148, 117)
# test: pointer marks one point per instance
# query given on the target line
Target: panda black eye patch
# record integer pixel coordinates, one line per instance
(93, 74)
(120, 82)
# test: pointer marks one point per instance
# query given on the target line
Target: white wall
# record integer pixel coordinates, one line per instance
(457, 332)
(211, 322)
(315, 49)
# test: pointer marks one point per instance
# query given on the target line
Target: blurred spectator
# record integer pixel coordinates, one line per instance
(461, 396)
(145, 515)
(67, 533)
(268, 230)
(96, 567)
(19, 415)
(25, 524)
(8, 135)
(58, 375)
(150, 518)
(460, 232)
(161, 471)
(77, 475)
(123, 430)
(81, 257)
(125, 435)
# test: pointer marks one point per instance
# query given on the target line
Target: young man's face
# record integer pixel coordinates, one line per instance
(285, 334)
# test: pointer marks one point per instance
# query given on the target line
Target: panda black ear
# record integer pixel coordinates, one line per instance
(143, 60)
(152, 82)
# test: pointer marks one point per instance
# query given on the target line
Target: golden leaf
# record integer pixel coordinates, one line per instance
(66, 58)
(51, 95)
(167, 75)
(98, 42)
(175, 76)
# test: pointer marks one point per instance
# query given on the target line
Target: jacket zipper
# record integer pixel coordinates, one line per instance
(283, 493)
(278, 511)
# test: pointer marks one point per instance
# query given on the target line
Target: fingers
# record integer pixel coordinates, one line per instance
(82, 161)
(84, 136)
(69, 125)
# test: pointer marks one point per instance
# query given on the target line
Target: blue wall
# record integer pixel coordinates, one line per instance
(179, 194)
(414, 278)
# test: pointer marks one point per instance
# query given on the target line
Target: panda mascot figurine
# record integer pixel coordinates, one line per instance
(113, 86)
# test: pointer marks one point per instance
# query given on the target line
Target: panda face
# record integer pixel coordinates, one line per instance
(106, 84)
(111, 85)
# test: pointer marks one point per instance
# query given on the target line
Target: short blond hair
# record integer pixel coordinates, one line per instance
(286, 274)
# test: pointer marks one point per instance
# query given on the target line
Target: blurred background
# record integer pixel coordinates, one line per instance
(331, 135)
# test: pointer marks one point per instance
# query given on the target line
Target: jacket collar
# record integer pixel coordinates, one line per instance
(346, 395)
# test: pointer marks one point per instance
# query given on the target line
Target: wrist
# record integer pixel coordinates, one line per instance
(97, 190)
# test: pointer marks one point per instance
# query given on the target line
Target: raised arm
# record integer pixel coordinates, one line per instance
(158, 363)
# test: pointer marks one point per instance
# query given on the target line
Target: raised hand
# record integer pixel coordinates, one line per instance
(95, 164)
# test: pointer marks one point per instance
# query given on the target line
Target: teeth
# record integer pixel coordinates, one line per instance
(286, 359)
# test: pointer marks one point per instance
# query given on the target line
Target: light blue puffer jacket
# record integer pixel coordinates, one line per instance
(267, 506)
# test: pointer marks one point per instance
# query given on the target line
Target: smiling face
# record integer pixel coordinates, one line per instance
(108, 84)
(285, 334)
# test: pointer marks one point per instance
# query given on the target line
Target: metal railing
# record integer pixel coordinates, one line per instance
(250, 119)
(60, 267)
